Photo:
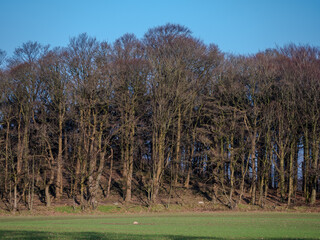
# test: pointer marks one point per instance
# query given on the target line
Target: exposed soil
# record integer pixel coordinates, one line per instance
(197, 198)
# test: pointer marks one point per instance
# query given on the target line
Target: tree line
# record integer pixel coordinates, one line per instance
(164, 110)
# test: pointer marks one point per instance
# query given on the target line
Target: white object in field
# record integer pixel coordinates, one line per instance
(135, 223)
(200, 202)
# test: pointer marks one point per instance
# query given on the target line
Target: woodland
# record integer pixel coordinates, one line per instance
(146, 116)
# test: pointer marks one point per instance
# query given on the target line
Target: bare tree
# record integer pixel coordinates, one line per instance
(129, 75)
(91, 94)
(24, 79)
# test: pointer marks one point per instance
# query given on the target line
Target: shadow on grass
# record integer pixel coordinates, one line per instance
(95, 235)
(87, 235)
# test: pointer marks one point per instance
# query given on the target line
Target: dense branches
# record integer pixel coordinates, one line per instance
(166, 111)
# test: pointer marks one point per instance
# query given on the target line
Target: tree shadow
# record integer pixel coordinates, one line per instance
(28, 235)
(87, 235)
(197, 189)
(118, 187)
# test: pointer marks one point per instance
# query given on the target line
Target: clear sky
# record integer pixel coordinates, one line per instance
(236, 26)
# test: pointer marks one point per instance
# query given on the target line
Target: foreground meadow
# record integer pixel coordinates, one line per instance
(223, 225)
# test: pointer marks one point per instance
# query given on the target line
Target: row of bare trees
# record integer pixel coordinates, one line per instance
(166, 110)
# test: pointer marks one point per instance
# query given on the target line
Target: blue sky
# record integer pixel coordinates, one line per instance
(240, 27)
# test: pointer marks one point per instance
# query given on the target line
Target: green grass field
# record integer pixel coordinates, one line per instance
(222, 225)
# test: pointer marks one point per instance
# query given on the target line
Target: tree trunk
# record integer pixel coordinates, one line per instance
(244, 170)
(15, 200)
(6, 156)
(158, 165)
(110, 173)
(130, 164)
(231, 165)
(178, 143)
(244, 166)
(59, 160)
(47, 189)
(314, 179)
(189, 163)
(97, 182)
(306, 164)
(51, 179)
(124, 148)
(291, 175)
(77, 174)
(282, 174)
(253, 163)
(47, 195)
(261, 185)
